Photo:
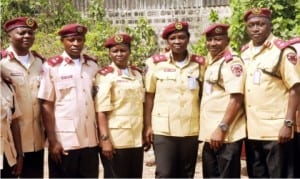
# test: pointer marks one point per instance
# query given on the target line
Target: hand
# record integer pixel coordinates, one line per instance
(17, 169)
(107, 149)
(217, 139)
(56, 151)
(147, 138)
(285, 134)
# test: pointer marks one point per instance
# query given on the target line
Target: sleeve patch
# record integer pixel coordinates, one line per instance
(236, 69)
(292, 57)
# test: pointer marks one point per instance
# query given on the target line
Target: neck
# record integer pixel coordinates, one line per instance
(179, 56)
(21, 52)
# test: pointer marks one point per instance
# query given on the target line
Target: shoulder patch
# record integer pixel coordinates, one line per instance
(34, 53)
(55, 60)
(159, 58)
(105, 70)
(281, 44)
(227, 56)
(136, 69)
(4, 54)
(198, 59)
(294, 41)
(245, 47)
(87, 57)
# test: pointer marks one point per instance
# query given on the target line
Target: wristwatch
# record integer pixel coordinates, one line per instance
(104, 137)
(289, 123)
(223, 126)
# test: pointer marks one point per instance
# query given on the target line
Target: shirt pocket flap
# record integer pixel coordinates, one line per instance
(120, 122)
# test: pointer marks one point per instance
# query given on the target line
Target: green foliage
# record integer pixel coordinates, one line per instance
(144, 41)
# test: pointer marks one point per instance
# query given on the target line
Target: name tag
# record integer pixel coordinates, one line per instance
(66, 77)
(192, 83)
(208, 88)
(16, 74)
(256, 77)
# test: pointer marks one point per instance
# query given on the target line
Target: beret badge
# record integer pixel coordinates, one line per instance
(218, 30)
(256, 11)
(178, 26)
(29, 22)
(79, 29)
(118, 39)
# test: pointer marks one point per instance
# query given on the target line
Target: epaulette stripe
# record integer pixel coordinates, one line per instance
(294, 40)
(198, 59)
(281, 44)
(227, 56)
(55, 60)
(245, 47)
(159, 58)
(106, 70)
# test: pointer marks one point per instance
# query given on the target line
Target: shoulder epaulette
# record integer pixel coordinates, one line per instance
(136, 69)
(281, 44)
(87, 57)
(227, 56)
(55, 60)
(34, 53)
(4, 54)
(159, 58)
(294, 41)
(245, 47)
(105, 70)
(198, 59)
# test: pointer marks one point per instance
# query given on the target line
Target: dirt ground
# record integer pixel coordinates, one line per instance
(149, 171)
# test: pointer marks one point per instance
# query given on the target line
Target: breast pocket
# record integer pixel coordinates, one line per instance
(66, 90)
(166, 81)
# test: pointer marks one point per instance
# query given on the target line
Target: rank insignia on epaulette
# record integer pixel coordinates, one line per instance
(55, 60)
(106, 70)
(159, 58)
(198, 59)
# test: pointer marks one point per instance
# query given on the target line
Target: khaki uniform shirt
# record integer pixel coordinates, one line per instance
(224, 75)
(26, 82)
(176, 102)
(297, 47)
(69, 86)
(8, 102)
(266, 96)
(123, 96)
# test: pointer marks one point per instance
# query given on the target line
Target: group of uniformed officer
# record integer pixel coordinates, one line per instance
(179, 99)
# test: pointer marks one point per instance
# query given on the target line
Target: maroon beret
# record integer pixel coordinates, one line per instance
(257, 12)
(216, 29)
(175, 26)
(118, 39)
(20, 22)
(72, 30)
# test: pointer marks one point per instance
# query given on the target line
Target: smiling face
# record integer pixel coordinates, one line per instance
(21, 39)
(216, 44)
(73, 45)
(258, 29)
(178, 42)
(119, 54)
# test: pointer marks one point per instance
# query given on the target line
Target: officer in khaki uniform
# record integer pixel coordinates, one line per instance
(295, 42)
(23, 68)
(222, 117)
(119, 106)
(11, 155)
(68, 108)
(173, 81)
(272, 93)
